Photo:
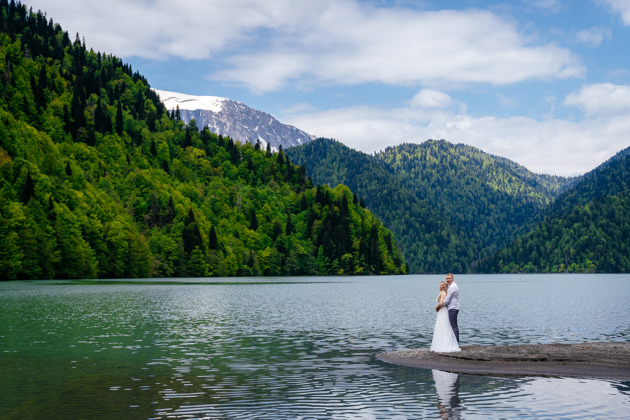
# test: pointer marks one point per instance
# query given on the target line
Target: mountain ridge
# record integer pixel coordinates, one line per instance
(449, 205)
(234, 119)
(586, 229)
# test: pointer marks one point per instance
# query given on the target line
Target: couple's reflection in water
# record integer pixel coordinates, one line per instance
(447, 387)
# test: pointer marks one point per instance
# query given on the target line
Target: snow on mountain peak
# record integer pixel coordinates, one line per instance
(234, 119)
(190, 102)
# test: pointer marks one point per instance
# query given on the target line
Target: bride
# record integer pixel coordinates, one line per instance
(444, 340)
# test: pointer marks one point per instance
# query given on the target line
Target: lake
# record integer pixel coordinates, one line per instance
(295, 347)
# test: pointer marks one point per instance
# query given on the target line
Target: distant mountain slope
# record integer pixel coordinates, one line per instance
(609, 178)
(428, 242)
(491, 199)
(234, 119)
(498, 173)
(448, 205)
(586, 229)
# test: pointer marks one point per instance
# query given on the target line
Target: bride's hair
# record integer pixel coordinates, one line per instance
(445, 284)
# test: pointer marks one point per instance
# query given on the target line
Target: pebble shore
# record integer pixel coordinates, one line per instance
(588, 360)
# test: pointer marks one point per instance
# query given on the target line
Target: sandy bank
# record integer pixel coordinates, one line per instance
(589, 360)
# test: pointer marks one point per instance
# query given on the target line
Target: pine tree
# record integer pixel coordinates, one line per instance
(191, 235)
(187, 138)
(213, 240)
(119, 119)
(77, 107)
(253, 221)
(374, 250)
(280, 157)
(28, 189)
(40, 98)
(99, 116)
(289, 227)
(276, 230)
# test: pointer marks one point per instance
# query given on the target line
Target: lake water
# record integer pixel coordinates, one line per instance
(296, 348)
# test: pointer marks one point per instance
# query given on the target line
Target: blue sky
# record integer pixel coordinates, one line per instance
(545, 83)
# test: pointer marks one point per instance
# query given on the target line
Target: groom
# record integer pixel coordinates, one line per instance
(452, 303)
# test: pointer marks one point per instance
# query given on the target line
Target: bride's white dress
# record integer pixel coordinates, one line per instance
(444, 340)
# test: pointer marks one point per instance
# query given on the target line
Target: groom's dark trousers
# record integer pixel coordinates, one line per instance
(452, 316)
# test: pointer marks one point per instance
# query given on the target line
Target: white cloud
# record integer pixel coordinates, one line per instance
(270, 75)
(161, 29)
(353, 45)
(570, 148)
(268, 44)
(428, 98)
(602, 99)
(593, 37)
(620, 6)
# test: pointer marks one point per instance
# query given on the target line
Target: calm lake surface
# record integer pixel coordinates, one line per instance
(301, 347)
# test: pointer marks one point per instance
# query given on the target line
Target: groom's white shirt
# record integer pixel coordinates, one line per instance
(452, 297)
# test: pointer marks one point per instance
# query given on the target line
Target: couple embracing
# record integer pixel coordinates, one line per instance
(446, 331)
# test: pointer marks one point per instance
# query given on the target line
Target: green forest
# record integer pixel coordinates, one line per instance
(456, 208)
(488, 199)
(99, 180)
(429, 242)
(450, 206)
(587, 229)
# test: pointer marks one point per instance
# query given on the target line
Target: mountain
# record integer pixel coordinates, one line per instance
(491, 199)
(587, 228)
(99, 180)
(428, 242)
(234, 119)
(608, 179)
(448, 205)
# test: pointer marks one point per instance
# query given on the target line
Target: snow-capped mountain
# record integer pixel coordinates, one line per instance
(234, 119)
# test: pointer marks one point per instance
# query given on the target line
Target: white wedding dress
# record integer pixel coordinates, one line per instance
(444, 340)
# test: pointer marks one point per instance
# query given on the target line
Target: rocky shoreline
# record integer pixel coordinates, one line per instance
(588, 360)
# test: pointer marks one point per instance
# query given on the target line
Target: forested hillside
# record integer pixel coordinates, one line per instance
(98, 180)
(587, 229)
(429, 242)
(489, 198)
(449, 205)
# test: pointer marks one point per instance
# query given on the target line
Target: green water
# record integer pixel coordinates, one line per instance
(294, 347)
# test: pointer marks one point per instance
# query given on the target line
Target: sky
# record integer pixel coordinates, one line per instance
(545, 83)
